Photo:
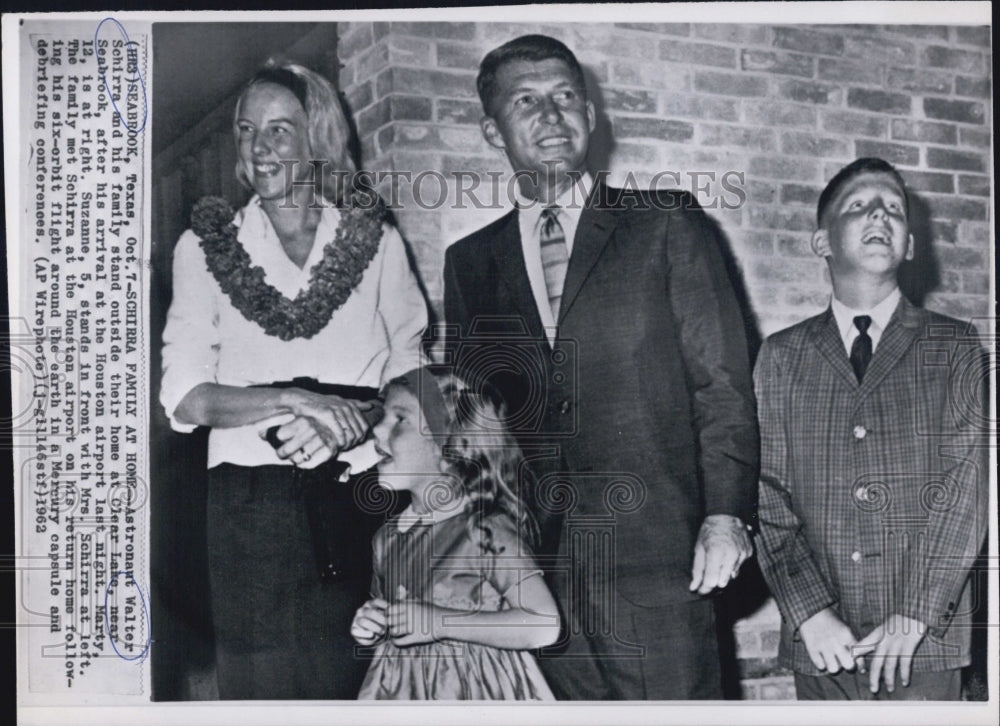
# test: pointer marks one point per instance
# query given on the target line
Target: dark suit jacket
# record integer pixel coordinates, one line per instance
(647, 390)
(873, 497)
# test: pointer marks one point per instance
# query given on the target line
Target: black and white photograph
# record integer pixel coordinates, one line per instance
(532, 357)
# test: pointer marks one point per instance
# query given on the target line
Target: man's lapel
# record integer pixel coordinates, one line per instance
(826, 337)
(898, 336)
(592, 235)
(513, 272)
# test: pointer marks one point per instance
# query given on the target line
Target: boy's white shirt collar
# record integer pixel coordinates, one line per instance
(880, 315)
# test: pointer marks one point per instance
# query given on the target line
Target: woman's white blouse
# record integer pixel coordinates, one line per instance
(374, 336)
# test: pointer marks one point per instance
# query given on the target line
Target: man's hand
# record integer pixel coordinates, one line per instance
(829, 641)
(893, 643)
(723, 546)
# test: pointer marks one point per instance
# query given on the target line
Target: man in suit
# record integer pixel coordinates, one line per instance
(609, 324)
(873, 479)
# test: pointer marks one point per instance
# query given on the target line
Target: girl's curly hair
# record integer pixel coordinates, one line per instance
(483, 456)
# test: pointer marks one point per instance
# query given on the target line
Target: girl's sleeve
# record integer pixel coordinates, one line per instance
(401, 306)
(191, 335)
(512, 559)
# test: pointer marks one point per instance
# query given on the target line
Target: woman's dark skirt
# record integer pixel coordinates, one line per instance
(281, 632)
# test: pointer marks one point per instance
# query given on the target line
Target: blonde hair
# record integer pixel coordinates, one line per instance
(329, 132)
(479, 452)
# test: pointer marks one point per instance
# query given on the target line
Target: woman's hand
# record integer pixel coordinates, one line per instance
(370, 622)
(299, 441)
(323, 426)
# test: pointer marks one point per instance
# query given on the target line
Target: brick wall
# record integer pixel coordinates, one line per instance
(786, 106)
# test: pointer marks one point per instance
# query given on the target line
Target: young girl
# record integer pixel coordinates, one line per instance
(457, 600)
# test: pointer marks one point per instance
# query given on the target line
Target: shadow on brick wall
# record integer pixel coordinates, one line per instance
(919, 276)
(602, 140)
(743, 597)
(750, 328)
(354, 137)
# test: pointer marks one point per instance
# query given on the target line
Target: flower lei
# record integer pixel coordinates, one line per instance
(331, 280)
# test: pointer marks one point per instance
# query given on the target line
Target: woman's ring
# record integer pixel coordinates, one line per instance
(305, 455)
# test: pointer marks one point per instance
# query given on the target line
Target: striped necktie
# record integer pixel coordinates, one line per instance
(555, 257)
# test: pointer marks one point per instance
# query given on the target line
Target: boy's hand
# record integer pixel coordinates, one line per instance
(828, 641)
(893, 643)
(723, 546)
(370, 622)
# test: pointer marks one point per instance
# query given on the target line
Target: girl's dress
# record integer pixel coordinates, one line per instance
(448, 564)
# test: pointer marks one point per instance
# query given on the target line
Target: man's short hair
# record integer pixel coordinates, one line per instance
(865, 165)
(532, 48)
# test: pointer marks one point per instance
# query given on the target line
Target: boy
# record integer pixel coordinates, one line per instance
(873, 479)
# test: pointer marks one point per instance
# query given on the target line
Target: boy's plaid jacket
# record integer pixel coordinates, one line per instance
(873, 497)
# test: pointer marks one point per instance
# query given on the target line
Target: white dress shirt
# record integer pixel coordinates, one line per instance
(529, 215)
(880, 315)
(373, 337)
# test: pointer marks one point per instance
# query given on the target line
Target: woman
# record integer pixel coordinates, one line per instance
(307, 287)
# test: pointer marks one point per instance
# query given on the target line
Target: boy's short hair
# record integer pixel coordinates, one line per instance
(865, 165)
(532, 48)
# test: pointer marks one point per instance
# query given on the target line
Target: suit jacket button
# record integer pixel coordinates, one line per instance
(564, 407)
(856, 556)
(860, 432)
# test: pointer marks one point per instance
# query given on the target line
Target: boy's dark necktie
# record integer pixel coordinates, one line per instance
(861, 350)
